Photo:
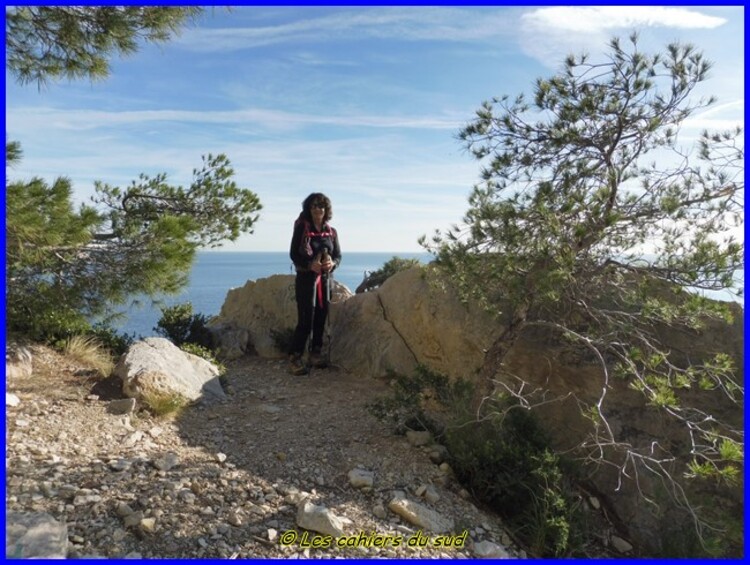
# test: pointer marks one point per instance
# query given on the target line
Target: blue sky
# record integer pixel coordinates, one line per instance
(361, 103)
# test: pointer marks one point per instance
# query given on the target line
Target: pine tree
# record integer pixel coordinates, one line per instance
(591, 218)
(52, 42)
(65, 267)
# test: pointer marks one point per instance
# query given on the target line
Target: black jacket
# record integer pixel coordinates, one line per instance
(307, 244)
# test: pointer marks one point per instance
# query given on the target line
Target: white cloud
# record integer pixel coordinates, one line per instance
(549, 34)
(407, 23)
(597, 19)
(29, 118)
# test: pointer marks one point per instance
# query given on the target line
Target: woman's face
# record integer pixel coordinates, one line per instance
(318, 211)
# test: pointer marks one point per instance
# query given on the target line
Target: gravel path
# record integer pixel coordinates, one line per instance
(231, 479)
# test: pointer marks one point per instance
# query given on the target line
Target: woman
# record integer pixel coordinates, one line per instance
(315, 253)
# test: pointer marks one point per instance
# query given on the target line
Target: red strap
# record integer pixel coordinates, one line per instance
(319, 289)
(319, 234)
(310, 233)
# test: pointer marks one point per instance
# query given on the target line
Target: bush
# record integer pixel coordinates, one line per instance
(203, 353)
(504, 460)
(117, 343)
(44, 322)
(180, 325)
(391, 267)
(408, 405)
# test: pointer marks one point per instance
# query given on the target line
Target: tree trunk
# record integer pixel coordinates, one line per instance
(492, 366)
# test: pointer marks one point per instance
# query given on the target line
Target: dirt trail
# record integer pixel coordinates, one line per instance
(226, 479)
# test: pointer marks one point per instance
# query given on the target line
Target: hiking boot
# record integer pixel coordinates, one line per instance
(296, 366)
(317, 360)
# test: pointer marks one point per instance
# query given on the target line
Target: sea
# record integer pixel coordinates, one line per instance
(214, 273)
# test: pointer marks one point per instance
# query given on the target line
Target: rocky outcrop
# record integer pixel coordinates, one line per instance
(156, 366)
(252, 315)
(410, 320)
(413, 319)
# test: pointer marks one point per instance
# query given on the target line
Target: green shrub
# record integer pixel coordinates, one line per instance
(414, 396)
(504, 460)
(391, 267)
(180, 325)
(117, 343)
(203, 353)
(45, 322)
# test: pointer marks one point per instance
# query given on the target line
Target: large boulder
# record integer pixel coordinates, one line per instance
(261, 308)
(410, 320)
(156, 366)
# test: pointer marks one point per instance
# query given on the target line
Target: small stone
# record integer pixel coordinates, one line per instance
(488, 550)
(167, 461)
(148, 525)
(505, 539)
(431, 495)
(272, 534)
(621, 545)
(360, 478)
(445, 468)
(235, 518)
(254, 508)
(438, 454)
(119, 465)
(319, 519)
(418, 438)
(123, 510)
(132, 439)
(83, 499)
(420, 515)
(134, 519)
(121, 406)
(221, 457)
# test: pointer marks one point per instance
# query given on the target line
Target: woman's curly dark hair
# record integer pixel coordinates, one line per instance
(315, 198)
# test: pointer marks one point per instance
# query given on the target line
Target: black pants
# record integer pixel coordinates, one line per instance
(309, 317)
